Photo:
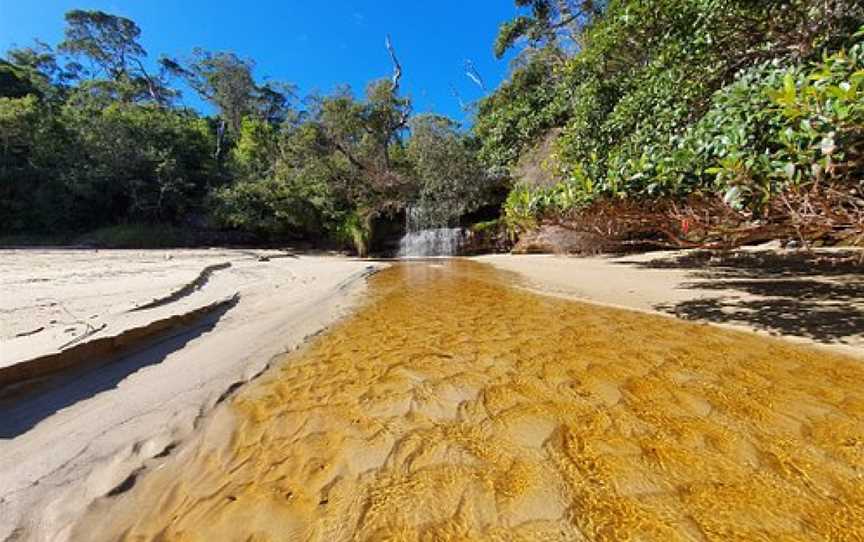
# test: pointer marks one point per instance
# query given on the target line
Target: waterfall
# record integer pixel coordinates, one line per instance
(421, 240)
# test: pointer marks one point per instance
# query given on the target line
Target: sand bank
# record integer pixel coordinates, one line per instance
(452, 406)
(84, 432)
(806, 298)
(378, 413)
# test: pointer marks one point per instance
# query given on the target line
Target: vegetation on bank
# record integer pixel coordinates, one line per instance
(703, 122)
(91, 138)
(673, 122)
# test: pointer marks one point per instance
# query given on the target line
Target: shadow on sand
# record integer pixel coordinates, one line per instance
(815, 295)
(19, 415)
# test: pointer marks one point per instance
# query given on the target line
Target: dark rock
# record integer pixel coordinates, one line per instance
(553, 239)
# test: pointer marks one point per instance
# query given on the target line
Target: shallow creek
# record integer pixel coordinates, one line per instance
(455, 406)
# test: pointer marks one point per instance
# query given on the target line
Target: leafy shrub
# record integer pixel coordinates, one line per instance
(675, 98)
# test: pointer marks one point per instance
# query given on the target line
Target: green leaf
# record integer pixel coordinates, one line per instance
(789, 85)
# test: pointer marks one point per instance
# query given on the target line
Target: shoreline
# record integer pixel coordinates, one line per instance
(647, 283)
(376, 416)
(93, 444)
(89, 434)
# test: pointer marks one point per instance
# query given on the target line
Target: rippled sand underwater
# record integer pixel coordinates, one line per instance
(453, 406)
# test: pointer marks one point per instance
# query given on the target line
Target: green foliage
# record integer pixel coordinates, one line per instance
(110, 41)
(823, 114)
(224, 79)
(808, 127)
(534, 100)
(19, 120)
(14, 82)
(256, 148)
(525, 204)
(546, 23)
(674, 97)
(18, 116)
(145, 163)
(354, 231)
(269, 207)
(451, 182)
(111, 45)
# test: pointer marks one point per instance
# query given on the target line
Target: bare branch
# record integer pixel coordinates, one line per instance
(474, 75)
(462, 105)
(397, 68)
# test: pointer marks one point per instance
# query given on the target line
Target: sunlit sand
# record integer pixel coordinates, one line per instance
(453, 406)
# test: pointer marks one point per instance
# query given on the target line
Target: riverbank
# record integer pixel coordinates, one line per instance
(810, 298)
(221, 317)
(453, 406)
(84, 434)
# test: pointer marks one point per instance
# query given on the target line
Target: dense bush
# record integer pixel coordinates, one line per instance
(521, 110)
(672, 98)
(91, 137)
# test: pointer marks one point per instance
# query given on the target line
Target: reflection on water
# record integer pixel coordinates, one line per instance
(454, 407)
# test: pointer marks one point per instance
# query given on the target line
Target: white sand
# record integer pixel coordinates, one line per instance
(59, 461)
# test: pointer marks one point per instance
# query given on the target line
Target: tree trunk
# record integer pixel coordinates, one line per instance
(363, 238)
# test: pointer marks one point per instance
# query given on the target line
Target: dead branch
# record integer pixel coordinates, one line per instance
(397, 68)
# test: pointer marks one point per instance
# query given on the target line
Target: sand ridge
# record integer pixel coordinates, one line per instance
(84, 435)
(452, 406)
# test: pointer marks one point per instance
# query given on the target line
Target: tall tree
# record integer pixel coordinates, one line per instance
(223, 79)
(226, 81)
(111, 44)
(272, 101)
(451, 181)
(368, 136)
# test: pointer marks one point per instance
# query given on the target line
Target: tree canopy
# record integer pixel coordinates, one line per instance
(92, 136)
(647, 116)
(667, 100)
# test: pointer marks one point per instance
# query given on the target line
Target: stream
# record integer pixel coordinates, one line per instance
(456, 405)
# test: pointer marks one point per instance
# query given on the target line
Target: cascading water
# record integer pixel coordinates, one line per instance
(420, 240)
(431, 242)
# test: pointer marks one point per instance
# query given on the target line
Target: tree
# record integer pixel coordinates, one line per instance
(272, 102)
(511, 120)
(256, 151)
(144, 163)
(111, 44)
(451, 182)
(224, 79)
(549, 23)
(366, 135)
(32, 194)
(14, 81)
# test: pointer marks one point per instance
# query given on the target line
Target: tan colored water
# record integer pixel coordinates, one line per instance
(455, 407)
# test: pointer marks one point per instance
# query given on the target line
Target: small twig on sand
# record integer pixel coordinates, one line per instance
(31, 332)
(91, 331)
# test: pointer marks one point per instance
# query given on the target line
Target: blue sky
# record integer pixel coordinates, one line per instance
(316, 45)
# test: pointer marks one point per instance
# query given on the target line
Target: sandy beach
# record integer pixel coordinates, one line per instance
(452, 406)
(813, 299)
(75, 438)
(80, 438)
